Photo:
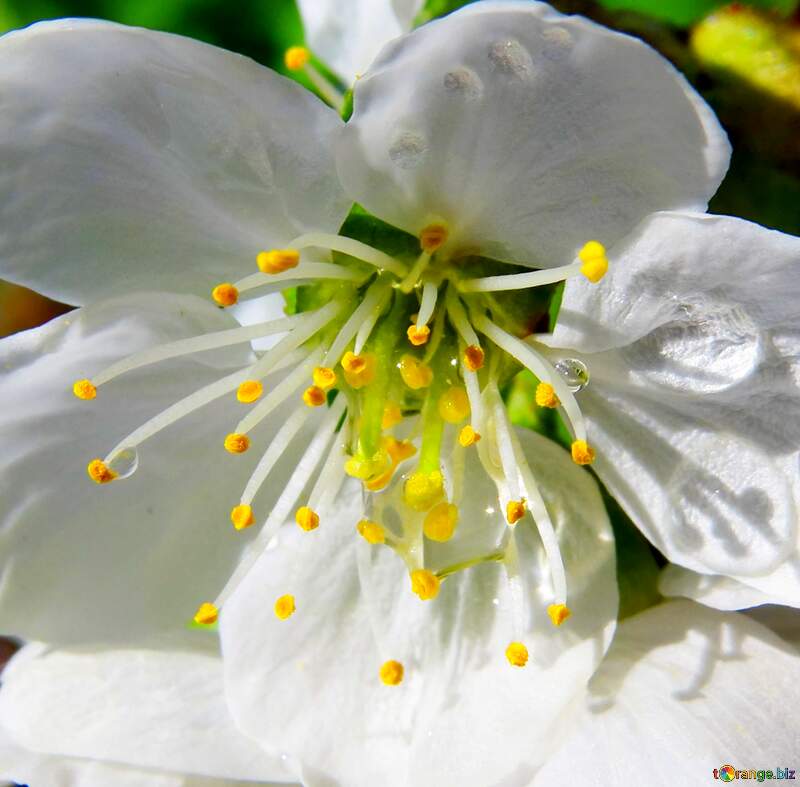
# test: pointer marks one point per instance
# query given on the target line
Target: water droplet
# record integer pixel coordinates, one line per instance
(125, 463)
(407, 150)
(511, 58)
(463, 82)
(574, 372)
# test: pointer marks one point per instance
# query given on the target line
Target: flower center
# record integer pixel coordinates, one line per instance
(373, 337)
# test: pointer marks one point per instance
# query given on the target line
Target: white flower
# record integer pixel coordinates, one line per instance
(125, 718)
(503, 138)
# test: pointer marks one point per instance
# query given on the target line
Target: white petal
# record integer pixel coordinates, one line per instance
(696, 414)
(348, 42)
(127, 559)
(528, 132)
(778, 587)
(462, 715)
(141, 160)
(150, 709)
(703, 291)
(684, 690)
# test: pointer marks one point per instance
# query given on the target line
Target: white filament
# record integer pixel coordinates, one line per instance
(520, 281)
(430, 292)
(351, 247)
(307, 270)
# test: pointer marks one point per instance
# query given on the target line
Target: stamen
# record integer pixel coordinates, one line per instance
(296, 57)
(375, 296)
(306, 518)
(425, 584)
(437, 334)
(473, 357)
(440, 522)
(468, 436)
(503, 441)
(225, 294)
(100, 472)
(415, 373)
(196, 344)
(330, 478)
(558, 613)
(284, 607)
(529, 358)
(454, 405)
(371, 532)
(237, 443)
(324, 377)
(308, 270)
(515, 510)
(249, 391)
(398, 451)
(277, 260)
(418, 335)
(391, 673)
(285, 503)
(359, 370)
(314, 396)
(517, 654)
(351, 247)
(458, 316)
(519, 281)
(242, 516)
(582, 453)
(546, 396)
(433, 237)
(392, 415)
(594, 261)
(430, 293)
(423, 490)
(84, 389)
(206, 615)
(365, 331)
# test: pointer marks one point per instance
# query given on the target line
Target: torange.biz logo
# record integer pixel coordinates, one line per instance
(727, 773)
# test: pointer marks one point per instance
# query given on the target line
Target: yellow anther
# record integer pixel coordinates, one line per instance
(515, 510)
(371, 532)
(418, 334)
(225, 294)
(296, 57)
(206, 614)
(284, 607)
(546, 396)
(594, 261)
(391, 415)
(364, 467)
(423, 490)
(314, 397)
(242, 516)
(324, 377)
(100, 472)
(415, 373)
(306, 518)
(277, 260)
(582, 453)
(558, 613)
(84, 389)
(359, 370)
(425, 584)
(249, 391)
(454, 405)
(237, 443)
(517, 654)
(468, 436)
(473, 357)
(391, 673)
(440, 522)
(397, 451)
(433, 237)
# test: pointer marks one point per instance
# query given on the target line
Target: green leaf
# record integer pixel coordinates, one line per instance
(683, 13)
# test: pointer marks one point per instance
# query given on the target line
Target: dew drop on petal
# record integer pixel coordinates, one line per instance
(125, 463)
(574, 372)
(464, 83)
(407, 150)
(511, 58)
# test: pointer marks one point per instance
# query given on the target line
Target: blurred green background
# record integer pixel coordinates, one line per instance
(743, 58)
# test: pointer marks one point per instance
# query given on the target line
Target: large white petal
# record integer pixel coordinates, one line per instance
(141, 160)
(696, 413)
(529, 132)
(348, 42)
(150, 709)
(684, 690)
(462, 715)
(127, 559)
